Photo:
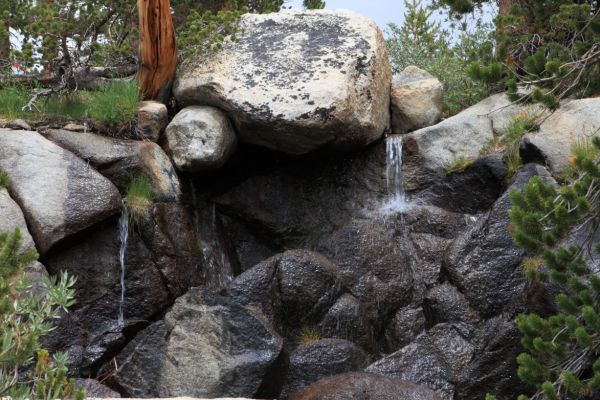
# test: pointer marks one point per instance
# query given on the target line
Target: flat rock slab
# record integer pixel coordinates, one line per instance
(58, 192)
(297, 81)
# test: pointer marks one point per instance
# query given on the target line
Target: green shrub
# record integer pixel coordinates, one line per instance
(4, 179)
(423, 43)
(26, 316)
(139, 198)
(561, 358)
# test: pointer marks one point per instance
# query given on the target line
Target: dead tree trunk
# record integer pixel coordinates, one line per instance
(158, 52)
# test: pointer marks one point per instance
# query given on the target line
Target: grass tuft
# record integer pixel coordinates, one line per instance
(459, 164)
(4, 179)
(517, 128)
(582, 148)
(113, 106)
(139, 198)
(307, 335)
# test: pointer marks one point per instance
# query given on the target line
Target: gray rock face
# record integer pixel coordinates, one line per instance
(416, 100)
(576, 121)
(365, 387)
(152, 118)
(120, 160)
(11, 217)
(95, 389)
(444, 303)
(464, 134)
(200, 138)
(320, 359)
(60, 195)
(483, 262)
(347, 319)
(297, 81)
(206, 346)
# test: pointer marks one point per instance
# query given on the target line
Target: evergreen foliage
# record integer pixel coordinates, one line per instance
(25, 315)
(424, 43)
(562, 351)
(545, 50)
(313, 4)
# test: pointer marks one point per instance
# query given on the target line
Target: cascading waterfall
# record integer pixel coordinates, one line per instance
(396, 197)
(123, 235)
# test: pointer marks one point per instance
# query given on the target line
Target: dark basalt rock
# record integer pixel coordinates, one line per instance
(162, 261)
(325, 357)
(365, 387)
(206, 346)
(484, 263)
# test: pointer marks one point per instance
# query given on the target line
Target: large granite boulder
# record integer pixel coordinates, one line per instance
(484, 263)
(206, 346)
(466, 133)
(200, 138)
(356, 385)
(319, 359)
(416, 100)
(59, 193)
(575, 122)
(297, 81)
(120, 160)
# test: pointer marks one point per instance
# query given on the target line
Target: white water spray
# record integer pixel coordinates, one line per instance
(123, 235)
(397, 199)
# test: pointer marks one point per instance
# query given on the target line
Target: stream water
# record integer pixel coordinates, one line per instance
(396, 200)
(123, 236)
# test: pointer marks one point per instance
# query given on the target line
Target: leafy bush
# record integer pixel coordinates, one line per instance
(562, 351)
(139, 198)
(26, 316)
(423, 43)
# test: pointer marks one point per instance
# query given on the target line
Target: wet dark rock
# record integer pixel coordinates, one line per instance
(365, 387)
(435, 359)
(319, 359)
(346, 320)
(295, 289)
(161, 262)
(206, 346)
(444, 303)
(406, 325)
(484, 263)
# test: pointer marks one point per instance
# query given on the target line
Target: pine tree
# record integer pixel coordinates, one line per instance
(313, 4)
(546, 50)
(25, 316)
(562, 351)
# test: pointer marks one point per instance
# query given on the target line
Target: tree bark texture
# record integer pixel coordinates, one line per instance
(158, 51)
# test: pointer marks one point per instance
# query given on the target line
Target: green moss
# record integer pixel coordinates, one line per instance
(459, 164)
(4, 179)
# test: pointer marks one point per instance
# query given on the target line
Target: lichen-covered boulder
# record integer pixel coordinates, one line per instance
(200, 138)
(297, 81)
(417, 100)
(59, 193)
(206, 346)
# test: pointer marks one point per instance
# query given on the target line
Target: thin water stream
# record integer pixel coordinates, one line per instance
(123, 236)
